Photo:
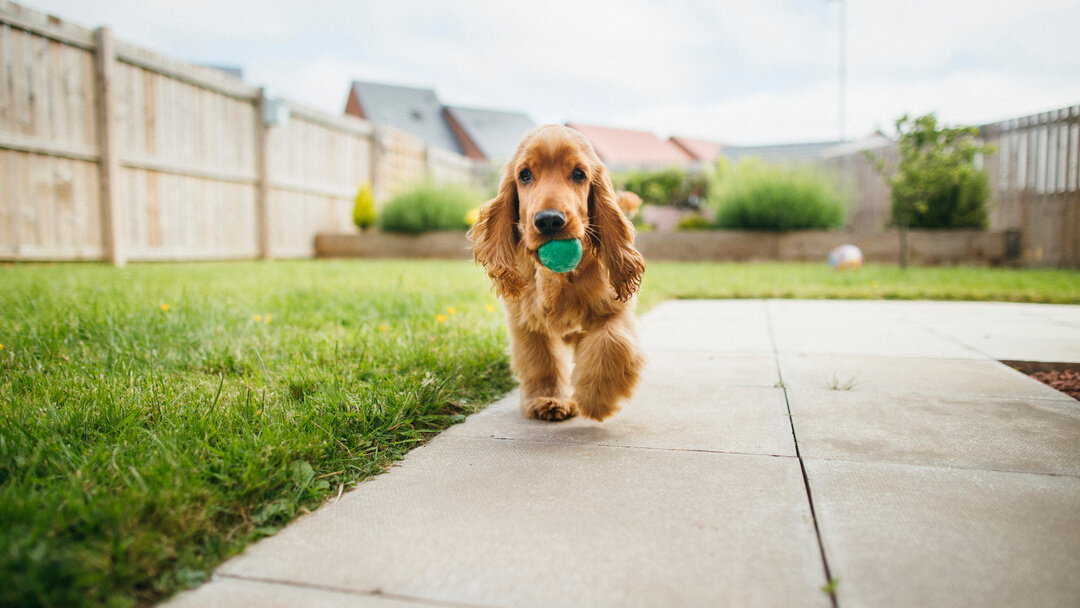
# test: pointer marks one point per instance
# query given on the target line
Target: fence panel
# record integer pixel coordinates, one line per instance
(187, 182)
(446, 166)
(317, 163)
(866, 192)
(48, 186)
(402, 162)
(1033, 178)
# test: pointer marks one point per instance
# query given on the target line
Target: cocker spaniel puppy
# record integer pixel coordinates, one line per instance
(556, 188)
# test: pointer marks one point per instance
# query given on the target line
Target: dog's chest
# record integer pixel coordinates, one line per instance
(558, 305)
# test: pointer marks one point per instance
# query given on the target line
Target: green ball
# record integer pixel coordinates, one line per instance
(560, 256)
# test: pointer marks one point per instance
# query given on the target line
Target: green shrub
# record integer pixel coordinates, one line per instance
(753, 196)
(936, 183)
(363, 214)
(671, 186)
(959, 204)
(429, 207)
(693, 222)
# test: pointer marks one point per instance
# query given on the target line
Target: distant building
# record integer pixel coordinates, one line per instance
(779, 153)
(702, 151)
(488, 134)
(228, 70)
(624, 150)
(484, 135)
(412, 110)
(876, 141)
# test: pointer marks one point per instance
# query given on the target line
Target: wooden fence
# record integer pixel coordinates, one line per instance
(1033, 179)
(111, 152)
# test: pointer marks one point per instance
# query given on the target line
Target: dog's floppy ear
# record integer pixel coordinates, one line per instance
(495, 238)
(613, 236)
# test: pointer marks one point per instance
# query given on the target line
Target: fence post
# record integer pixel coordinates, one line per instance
(108, 161)
(262, 176)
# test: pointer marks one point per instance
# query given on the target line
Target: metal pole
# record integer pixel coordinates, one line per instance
(842, 80)
(843, 67)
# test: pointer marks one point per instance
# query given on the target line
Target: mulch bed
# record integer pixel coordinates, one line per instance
(1064, 380)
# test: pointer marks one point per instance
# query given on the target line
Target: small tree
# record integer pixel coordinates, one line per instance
(936, 183)
(363, 214)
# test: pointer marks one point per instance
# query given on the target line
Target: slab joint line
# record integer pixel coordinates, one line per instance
(798, 455)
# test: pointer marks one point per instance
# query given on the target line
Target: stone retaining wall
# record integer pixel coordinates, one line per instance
(926, 247)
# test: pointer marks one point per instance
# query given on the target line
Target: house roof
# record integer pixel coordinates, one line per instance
(623, 148)
(705, 151)
(413, 110)
(496, 134)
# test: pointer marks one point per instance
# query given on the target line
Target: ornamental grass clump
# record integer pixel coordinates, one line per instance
(753, 196)
(429, 207)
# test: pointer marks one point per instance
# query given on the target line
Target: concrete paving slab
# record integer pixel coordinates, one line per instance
(911, 375)
(514, 523)
(704, 337)
(1018, 340)
(1030, 435)
(225, 592)
(664, 416)
(1025, 332)
(844, 329)
(732, 326)
(712, 369)
(901, 536)
(708, 311)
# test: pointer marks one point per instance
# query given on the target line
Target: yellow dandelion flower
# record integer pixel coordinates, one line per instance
(165, 307)
(1, 347)
(441, 318)
(267, 318)
(489, 308)
(383, 328)
(451, 310)
(258, 318)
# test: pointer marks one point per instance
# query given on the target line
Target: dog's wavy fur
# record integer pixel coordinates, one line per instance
(588, 310)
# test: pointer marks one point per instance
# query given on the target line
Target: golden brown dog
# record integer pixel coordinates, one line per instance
(555, 187)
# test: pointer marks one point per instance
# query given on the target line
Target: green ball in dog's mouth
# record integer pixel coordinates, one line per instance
(560, 256)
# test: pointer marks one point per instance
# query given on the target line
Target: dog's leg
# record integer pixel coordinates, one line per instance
(540, 361)
(607, 364)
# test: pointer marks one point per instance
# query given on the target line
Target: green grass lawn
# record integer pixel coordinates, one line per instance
(158, 418)
(667, 280)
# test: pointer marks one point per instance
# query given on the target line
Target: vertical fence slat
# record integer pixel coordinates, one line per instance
(5, 79)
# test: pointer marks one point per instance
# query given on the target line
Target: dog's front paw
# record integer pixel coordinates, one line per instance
(599, 410)
(551, 408)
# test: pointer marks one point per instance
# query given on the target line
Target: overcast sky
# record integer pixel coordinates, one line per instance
(734, 71)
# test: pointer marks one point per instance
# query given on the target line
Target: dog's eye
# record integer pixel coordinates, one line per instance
(525, 176)
(578, 176)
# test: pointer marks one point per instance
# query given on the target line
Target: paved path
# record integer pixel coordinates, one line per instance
(773, 445)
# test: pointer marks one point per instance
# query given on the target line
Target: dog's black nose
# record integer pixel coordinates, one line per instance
(549, 221)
